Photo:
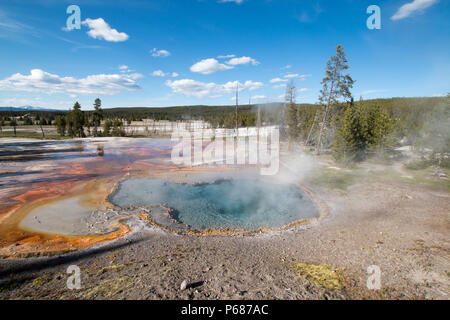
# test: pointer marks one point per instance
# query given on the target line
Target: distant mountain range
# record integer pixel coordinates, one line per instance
(27, 108)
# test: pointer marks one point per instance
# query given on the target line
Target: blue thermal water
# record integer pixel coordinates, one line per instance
(239, 203)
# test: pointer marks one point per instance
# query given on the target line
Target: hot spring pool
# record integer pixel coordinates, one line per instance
(245, 204)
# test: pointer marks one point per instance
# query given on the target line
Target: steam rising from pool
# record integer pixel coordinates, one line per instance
(245, 204)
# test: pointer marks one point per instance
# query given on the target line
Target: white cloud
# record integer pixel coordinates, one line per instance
(410, 8)
(159, 53)
(198, 89)
(276, 80)
(251, 85)
(259, 97)
(242, 60)
(208, 66)
(286, 67)
(135, 75)
(228, 56)
(235, 1)
(367, 92)
(193, 88)
(99, 29)
(292, 76)
(296, 76)
(160, 73)
(125, 69)
(282, 85)
(41, 81)
(283, 95)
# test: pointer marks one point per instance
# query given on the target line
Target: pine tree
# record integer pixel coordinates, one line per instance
(97, 116)
(107, 127)
(351, 139)
(13, 123)
(61, 126)
(117, 130)
(336, 86)
(379, 131)
(77, 120)
(69, 123)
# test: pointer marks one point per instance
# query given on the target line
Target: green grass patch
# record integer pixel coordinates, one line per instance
(423, 177)
(333, 179)
(418, 164)
(426, 178)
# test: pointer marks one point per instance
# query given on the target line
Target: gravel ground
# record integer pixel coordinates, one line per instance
(402, 228)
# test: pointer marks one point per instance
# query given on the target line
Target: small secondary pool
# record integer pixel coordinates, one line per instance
(245, 204)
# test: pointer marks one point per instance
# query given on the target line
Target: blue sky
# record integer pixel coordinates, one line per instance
(187, 52)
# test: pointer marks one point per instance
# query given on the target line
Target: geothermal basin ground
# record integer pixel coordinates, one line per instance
(137, 226)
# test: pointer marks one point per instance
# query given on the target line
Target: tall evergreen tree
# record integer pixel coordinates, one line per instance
(363, 130)
(379, 129)
(351, 138)
(107, 127)
(13, 123)
(97, 115)
(77, 120)
(336, 86)
(61, 126)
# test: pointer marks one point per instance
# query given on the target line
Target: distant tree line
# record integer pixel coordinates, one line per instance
(76, 123)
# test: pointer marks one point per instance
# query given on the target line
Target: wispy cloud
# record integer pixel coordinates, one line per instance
(235, 1)
(276, 80)
(410, 8)
(227, 56)
(159, 53)
(310, 15)
(297, 76)
(44, 82)
(6, 22)
(124, 69)
(259, 97)
(15, 30)
(367, 92)
(78, 45)
(160, 73)
(198, 89)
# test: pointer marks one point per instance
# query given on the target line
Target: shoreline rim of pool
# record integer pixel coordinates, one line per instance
(217, 231)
